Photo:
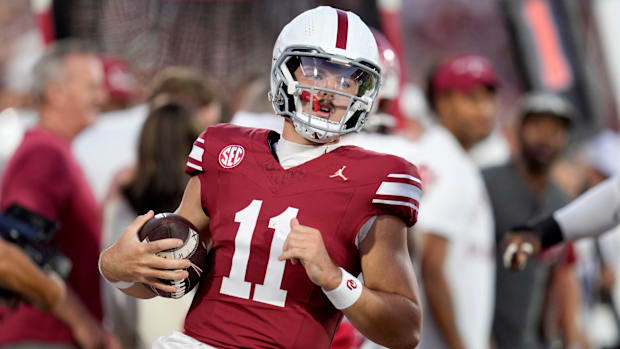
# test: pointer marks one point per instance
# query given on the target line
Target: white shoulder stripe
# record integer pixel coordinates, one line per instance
(400, 189)
(200, 140)
(394, 202)
(406, 176)
(196, 153)
(195, 167)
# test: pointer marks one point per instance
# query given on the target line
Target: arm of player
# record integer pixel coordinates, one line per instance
(433, 257)
(591, 214)
(130, 260)
(388, 311)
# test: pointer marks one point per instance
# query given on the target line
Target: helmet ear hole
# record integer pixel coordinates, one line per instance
(291, 103)
(277, 99)
(292, 64)
(352, 122)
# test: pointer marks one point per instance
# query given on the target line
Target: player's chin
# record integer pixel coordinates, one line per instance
(315, 113)
(322, 115)
(336, 115)
(333, 115)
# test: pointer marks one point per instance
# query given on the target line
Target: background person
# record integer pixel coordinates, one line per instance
(455, 231)
(109, 146)
(520, 190)
(18, 274)
(43, 177)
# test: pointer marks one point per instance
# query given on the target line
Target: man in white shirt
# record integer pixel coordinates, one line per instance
(455, 231)
(455, 227)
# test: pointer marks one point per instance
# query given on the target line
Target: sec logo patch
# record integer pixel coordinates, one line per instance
(231, 156)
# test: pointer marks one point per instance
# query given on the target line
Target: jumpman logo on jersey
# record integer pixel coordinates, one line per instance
(339, 174)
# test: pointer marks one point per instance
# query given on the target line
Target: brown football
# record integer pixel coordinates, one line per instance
(170, 225)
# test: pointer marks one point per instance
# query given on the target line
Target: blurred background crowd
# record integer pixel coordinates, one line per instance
(528, 89)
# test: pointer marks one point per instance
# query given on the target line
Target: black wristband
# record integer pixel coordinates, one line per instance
(549, 231)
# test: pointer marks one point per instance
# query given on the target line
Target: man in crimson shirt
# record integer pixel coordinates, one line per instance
(43, 177)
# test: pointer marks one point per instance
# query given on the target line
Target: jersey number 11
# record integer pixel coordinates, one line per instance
(234, 284)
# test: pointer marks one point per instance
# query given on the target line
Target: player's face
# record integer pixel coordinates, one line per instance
(321, 73)
(543, 138)
(470, 113)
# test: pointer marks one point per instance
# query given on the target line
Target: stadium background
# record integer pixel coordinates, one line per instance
(529, 41)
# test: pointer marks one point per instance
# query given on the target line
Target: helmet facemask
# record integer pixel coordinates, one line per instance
(325, 96)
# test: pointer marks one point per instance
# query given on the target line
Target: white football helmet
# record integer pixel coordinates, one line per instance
(325, 73)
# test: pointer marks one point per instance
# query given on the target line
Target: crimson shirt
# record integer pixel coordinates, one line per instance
(248, 298)
(43, 177)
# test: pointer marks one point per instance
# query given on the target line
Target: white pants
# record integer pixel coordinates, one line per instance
(178, 340)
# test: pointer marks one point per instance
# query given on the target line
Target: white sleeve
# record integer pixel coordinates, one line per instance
(593, 213)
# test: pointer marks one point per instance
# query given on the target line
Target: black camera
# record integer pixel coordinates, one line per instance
(33, 234)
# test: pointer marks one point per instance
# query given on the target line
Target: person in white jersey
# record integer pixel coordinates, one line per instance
(455, 231)
(455, 228)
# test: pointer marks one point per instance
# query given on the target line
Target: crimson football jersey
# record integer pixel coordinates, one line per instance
(249, 299)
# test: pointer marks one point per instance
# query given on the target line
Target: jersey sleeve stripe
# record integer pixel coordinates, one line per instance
(395, 202)
(200, 140)
(400, 189)
(195, 167)
(197, 153)
(405, 176)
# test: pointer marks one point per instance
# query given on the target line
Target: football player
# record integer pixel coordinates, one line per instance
(293, 217)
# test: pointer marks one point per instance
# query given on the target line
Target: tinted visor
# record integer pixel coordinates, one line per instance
(322, 73)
